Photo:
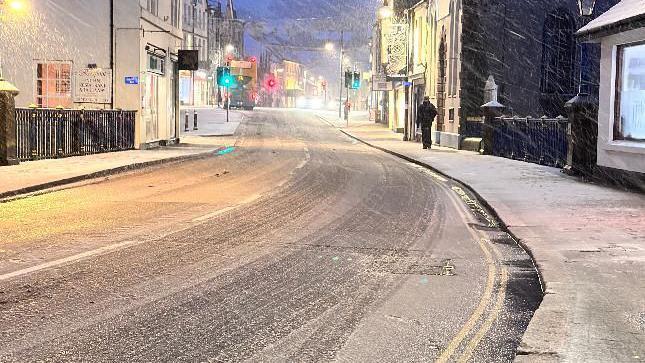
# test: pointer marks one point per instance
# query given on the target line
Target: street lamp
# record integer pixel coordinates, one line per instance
(329, 47)
(586, 7)
(385, 12)
(15, 7)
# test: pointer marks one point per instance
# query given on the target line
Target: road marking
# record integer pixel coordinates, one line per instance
(501, 295)
(487, 296)
(227, 209)
(69, 259)
(428, 171)
(113, 247)
(479, 311)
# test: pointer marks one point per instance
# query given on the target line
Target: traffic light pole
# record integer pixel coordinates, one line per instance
(348, 109)
(340, 95)
(228, 102)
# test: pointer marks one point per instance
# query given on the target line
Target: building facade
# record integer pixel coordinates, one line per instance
(451, 48)
(195, 89)
(621, 111)
(225, 40)
(115, 54)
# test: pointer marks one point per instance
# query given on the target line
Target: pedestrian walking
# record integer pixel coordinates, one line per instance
(425, 117)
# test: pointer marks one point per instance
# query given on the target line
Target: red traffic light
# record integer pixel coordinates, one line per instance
(270, 83)
(253, 59)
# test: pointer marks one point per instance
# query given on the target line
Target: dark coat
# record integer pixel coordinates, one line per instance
(426, 114)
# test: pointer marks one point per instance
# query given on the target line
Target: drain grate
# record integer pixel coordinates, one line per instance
(412, 265)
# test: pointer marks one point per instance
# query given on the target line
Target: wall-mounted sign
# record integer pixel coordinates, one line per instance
(380, 83)
(241, 64)
(132, 80)
(188, 60)
(93, 85)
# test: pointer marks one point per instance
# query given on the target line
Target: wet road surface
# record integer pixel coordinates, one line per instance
(300, 245)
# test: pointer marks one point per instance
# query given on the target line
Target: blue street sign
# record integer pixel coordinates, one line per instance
(132, 80)
(407, 84)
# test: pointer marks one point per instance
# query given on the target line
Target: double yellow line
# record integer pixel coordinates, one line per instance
(487, 297)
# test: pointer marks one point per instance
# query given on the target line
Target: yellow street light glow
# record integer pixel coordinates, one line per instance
(16, 5)
(329, 47)
(385, 12)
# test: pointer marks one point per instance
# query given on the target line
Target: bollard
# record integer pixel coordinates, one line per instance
(491, 110)
(186, 129)
(195, 120)
(8, 149)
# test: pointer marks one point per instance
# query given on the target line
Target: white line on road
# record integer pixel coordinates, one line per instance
(69, 259)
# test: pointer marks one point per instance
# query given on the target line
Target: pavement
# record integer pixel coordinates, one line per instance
(32, 176)
(587, 240)
(211, 121)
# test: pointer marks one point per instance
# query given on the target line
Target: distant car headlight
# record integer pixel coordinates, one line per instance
(316, 103)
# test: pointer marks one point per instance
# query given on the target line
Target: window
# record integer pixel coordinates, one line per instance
(156, 64)
(629, 121)
(153, 6)
(174, 13)
(53, 84)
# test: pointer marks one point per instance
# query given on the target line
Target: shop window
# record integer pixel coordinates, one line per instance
(53, 84)
(629, 121)
(156, 64)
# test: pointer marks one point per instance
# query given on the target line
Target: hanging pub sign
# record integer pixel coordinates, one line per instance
(188, 60)
(93, 85)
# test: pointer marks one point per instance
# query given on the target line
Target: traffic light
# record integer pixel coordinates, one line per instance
(224, 77)
(270, 83)
(348, 79)
(356, 82)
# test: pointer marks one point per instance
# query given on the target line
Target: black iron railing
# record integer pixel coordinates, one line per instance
(54, 133)
(536, 140)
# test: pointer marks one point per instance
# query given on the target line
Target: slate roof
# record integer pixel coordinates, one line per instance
(626, 15)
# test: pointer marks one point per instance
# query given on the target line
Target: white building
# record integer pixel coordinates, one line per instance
(97, 54)
(147, 37)
(194, 86)
(621, 115)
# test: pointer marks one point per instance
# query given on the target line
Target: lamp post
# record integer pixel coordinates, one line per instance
(583, 114)
(8, 92)
(330, 47)
(586, 8)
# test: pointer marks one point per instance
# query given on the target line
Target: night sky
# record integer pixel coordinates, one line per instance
(298, 29)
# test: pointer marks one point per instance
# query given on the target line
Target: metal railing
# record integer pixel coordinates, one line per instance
(536, 140)
(56, 133)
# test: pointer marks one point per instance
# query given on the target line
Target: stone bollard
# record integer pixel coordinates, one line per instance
(582, 136)
(8, 150)
(491, 110)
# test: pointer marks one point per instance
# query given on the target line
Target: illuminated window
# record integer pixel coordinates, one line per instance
(629, 121)
(53, 84)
